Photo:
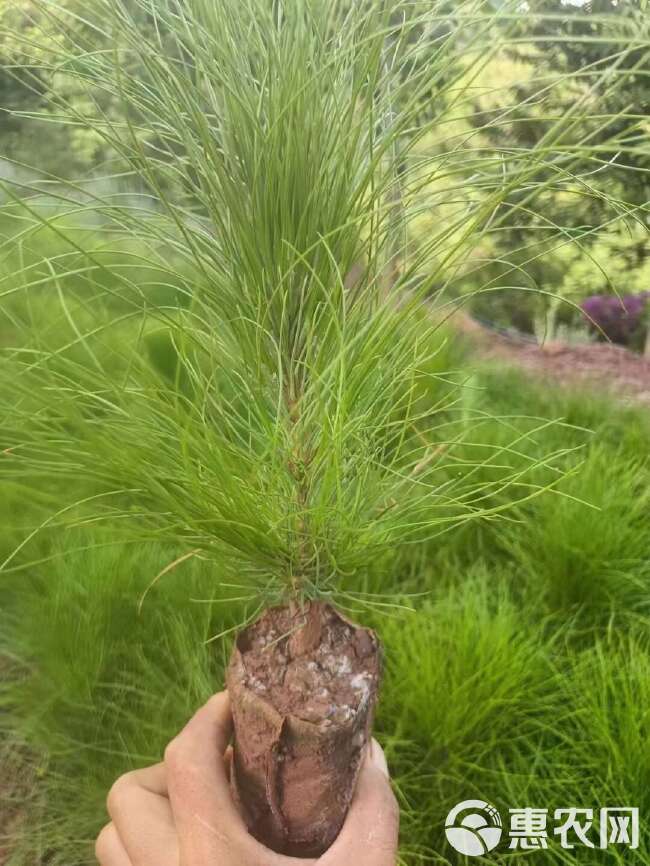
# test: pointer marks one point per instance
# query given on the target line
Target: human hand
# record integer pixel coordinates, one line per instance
(181, 813)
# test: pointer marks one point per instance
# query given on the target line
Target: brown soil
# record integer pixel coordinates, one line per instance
(602, 366)
(319, 669)
(303, 685)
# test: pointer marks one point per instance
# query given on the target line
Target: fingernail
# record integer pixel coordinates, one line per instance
(378, 758)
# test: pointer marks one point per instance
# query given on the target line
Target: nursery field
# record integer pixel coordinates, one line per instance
(517, 650)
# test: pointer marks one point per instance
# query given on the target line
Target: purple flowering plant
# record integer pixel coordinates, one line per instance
(619, 319)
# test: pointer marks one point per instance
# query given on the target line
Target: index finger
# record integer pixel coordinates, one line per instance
(197, 780)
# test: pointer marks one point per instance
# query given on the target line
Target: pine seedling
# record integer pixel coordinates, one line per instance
(282, 411)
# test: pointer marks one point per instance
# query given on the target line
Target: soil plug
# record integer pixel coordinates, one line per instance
(303, 686)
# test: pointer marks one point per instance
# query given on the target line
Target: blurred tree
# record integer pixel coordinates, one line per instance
(35, 38)
(25, 88)
(593, 54)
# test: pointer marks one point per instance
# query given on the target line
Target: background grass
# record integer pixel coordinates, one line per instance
(522, 676)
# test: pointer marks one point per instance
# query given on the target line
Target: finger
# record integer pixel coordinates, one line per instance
(370, 832)
(152, 779)
(143, 818)
(198, 784)
(109, 850)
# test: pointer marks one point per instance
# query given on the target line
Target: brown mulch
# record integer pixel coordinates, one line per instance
(604, 366)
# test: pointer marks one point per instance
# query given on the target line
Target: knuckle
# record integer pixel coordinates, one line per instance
(102, 844)
(180, 763)
(175, 755)
(119, 793)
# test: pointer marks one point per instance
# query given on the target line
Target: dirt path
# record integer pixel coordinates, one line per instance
(602, 366)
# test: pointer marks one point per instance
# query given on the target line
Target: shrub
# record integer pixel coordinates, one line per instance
(621, 320)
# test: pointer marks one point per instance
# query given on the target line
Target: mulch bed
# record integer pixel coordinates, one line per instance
(603, 366)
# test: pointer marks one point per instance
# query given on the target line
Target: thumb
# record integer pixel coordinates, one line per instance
(369, 834)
